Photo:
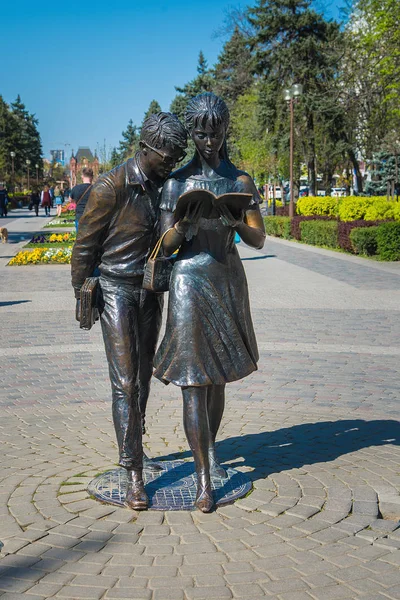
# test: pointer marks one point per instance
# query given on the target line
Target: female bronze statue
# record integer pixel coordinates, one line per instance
(209, 339)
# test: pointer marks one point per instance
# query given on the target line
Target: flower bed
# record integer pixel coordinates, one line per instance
(52, 238)
(42, 256)
(61, 222)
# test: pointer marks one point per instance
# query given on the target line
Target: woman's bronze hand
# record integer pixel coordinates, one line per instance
(228, 219)
(193, 213)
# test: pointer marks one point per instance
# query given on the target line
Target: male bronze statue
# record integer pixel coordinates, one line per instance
(116, 232)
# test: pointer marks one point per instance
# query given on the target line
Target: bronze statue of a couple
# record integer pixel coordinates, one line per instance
(209, 339)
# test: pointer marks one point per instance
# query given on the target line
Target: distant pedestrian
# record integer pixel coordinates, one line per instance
(45, 200)
(51, 192)
(79, 194)
(35, 200)
(58, 199)
(3, 200)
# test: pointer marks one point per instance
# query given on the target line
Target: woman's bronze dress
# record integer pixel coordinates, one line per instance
(209, 338)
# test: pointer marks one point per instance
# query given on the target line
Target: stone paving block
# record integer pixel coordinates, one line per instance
(7, 584)
(102, 581)
(208, 592)
(199, 559)
(365, 586)
(328, 536)
(284, 585)
(75, 592)
(334, 592)
(350, 574)
(247, 591)
(128, 594)
(58, 578)
(319, 580)
(295, 596)
(237, 567)
(150, 518)
(201, 548)
(168, 594)
(368, 552)
(176, 582)
(46, 590)
(130, 560)
(159, 550)
(156, 571)
(207, 571)
(247, 577)
(81, 567)
(169, 560)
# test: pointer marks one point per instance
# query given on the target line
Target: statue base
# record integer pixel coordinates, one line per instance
(173, 488)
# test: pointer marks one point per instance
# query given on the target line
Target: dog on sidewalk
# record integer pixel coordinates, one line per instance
(4, 235)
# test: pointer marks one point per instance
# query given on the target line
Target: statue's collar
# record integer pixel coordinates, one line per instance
(134, 175)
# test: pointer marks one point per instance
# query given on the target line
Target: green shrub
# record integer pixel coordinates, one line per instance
(388, 239)
(349, 208)
(320, 233)
(381, 210)
(353, 208)
(278, 226)
(317, 205)
(363, 240)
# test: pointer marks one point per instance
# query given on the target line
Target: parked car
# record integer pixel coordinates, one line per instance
(304, 189)
(278, 192)
(338, 192)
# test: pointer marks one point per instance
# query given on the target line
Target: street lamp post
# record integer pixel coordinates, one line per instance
(290, 95)
(37, 174)
(28, 162)
(12, 154)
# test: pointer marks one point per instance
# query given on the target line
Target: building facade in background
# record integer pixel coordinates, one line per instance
(82, 159)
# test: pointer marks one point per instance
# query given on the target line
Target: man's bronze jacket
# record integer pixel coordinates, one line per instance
(118, 226)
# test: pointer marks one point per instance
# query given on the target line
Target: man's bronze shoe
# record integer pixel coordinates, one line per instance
(136, 497)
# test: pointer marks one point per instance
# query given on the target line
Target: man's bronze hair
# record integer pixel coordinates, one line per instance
(162, 129)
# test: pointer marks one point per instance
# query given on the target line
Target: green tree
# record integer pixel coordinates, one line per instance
(233, 72)
(250, 145)
(130, 141)
(203, 82)
(7, 124)
(25, 137)
(153, 109)
(115, 158)
(295, 44)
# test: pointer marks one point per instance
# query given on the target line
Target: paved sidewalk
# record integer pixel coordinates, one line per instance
(316, 428)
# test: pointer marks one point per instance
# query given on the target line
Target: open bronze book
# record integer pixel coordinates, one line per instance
(234, 201)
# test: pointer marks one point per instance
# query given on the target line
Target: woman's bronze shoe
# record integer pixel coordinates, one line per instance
(216, 469)
(204, 498)
(136, 497)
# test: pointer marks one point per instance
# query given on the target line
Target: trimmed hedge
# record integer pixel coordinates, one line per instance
(320, 233)
(349, 208)
(388, 239)
(297, 220)
(364, 240)
(278, 226)
(345, 229)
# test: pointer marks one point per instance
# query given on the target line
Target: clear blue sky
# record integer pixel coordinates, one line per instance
(86, 69)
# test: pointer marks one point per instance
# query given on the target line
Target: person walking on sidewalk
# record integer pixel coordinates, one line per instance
(45, 200)
(117, 230)
(35, 200)
(3, 200)
(58, 199)
(80, 194)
